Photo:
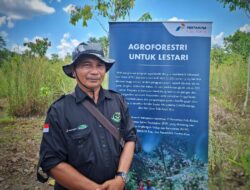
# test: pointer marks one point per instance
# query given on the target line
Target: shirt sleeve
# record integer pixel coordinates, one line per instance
(53, 145)
(129, 131)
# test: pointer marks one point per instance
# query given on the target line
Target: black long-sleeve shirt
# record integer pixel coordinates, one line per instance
(73, 135)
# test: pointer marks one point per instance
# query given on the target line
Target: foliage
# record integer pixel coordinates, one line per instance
(233, 4)
(238, 43)
(103, 40)
(169, 168)
(145, 17)
(218, 56)
(39, 47)
(54, 58)
(6, 120)
(2, 43)
(245, 162)
(31, 84)
(229, 145)
(228, 76)
(131, 184)
(4, 53)
(113, 10)
(85, 14)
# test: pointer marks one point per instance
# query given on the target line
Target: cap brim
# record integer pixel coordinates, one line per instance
(68, 69)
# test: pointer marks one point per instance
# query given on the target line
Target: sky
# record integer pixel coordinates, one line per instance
(26, 20)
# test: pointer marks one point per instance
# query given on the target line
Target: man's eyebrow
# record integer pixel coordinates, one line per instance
(101, 62)
(84, 61)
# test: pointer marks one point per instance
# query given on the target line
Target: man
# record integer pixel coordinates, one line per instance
(149, 185)
(76, 150)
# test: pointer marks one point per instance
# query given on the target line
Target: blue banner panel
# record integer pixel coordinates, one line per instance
(162, 69)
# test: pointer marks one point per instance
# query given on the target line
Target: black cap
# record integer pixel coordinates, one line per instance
(91, 49)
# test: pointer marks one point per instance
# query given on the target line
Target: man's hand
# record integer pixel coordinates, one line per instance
(124, 164)
(114, 184)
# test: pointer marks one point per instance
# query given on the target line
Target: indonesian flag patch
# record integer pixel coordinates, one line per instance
(46, 128)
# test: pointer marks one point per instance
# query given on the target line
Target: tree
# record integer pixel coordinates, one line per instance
(2, 43)
(239, 43)
(93, 40)
(5, 54)
(145, 17)
(248, 88)
(54, 58)
(2, 48)
(111, 9)
(217, 56)
(245, 5)
(234, 4)
(39, 47)
(103, 40)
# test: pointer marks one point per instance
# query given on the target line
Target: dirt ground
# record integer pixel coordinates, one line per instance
(19, 145)
(20, 140)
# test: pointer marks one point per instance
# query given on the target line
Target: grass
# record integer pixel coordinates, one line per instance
(33, 83)
(30, 85)
(228, 81)
(6, 120)
(229, 147)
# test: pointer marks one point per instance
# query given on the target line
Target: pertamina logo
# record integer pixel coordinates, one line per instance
(191, 28)
(181, 27)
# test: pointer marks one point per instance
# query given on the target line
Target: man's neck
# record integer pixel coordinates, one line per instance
(92, 93)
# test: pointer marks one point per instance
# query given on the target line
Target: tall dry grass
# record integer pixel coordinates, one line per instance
(30, 84)
(228, 80)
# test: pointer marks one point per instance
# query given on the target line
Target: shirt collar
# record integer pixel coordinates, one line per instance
(104, 94)
(81, 95)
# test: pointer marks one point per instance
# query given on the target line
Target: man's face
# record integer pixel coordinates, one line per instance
(90, 71)
(148, 183)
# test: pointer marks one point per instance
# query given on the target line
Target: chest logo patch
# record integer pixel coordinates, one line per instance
(116, 117)
(82, 126)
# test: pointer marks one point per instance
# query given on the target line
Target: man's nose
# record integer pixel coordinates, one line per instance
(94, 70)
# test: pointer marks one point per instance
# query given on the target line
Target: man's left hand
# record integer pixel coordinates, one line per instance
(114, 184)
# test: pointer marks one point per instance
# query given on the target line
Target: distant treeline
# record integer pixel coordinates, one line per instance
(30, 81)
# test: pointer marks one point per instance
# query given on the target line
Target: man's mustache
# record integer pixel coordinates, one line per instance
(93, 78)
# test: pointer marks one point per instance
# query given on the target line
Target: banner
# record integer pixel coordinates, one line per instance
(162, 69)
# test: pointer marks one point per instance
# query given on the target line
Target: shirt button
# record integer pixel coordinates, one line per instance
(103, 145)
(100, 125)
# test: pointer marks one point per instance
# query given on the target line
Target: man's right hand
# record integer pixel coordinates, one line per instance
(113, 184)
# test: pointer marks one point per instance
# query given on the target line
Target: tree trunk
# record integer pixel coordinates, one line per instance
(247, 91)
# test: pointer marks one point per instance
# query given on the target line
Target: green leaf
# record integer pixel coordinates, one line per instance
(145, 17)
(86, 14)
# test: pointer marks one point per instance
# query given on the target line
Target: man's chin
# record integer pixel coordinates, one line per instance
(93, 86)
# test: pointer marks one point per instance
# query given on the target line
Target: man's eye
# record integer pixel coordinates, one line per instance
(101, 65)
